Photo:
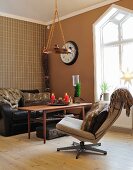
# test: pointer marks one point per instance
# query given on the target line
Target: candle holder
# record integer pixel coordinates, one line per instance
(77, 88)
(75, 79)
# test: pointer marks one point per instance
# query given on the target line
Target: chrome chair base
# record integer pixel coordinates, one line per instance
(81, 147)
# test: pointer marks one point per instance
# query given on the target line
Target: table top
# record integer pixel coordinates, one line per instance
(49, 108)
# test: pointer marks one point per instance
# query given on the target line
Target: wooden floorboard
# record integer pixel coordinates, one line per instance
(19, 153)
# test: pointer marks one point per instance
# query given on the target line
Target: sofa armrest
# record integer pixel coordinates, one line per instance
(5, 119)
(21, 102)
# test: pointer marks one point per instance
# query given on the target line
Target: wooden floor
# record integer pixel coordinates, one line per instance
(20, 153)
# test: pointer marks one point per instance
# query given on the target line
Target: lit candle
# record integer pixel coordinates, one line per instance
(52, 97)
(66, 97)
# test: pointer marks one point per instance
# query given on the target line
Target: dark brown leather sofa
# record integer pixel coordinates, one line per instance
(14, 121)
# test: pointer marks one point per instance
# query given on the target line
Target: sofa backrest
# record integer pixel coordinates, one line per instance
(30, 91)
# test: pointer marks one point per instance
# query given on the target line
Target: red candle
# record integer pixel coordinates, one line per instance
(66, 97)
(52, 97)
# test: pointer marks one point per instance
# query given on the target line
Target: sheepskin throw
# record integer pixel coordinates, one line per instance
(10, 96)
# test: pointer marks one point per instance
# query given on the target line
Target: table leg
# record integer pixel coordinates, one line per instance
(65, 111)
(29, 113)
(44, 126)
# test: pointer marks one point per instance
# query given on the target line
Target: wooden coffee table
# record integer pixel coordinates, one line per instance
(47, 109)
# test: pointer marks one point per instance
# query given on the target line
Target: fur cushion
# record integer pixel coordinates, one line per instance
(95, 110)
(98, 120)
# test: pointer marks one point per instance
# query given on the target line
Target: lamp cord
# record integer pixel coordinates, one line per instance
(50, 37)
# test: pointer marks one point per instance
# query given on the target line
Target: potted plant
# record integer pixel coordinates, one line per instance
(104, 88)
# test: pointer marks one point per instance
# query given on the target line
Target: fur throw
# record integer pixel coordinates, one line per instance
(121, 96)
(10, 96)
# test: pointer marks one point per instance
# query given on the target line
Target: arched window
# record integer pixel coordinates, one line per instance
(113, 48)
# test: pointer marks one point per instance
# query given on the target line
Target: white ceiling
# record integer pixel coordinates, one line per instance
(42, 10)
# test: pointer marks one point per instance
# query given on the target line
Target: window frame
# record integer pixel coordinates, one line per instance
(109, 16)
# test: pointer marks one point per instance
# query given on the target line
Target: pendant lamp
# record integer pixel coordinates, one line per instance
(47, 49)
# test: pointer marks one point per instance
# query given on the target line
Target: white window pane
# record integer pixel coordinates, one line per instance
(110, 33)
(127, 28)
(111, 69)
(127, 57)
(119, 16)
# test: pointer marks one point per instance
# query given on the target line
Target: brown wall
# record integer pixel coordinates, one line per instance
(20, 54)
(80, 30)
(21, 45)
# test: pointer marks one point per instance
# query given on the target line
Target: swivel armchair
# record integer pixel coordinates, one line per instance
(120, 98)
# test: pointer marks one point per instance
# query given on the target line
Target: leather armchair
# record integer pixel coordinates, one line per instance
(120, 98)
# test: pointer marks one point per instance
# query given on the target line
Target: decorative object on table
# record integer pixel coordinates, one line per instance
(75, 79)
(66, 98)
(60, 100)
(52, 98)
(71, 57)
(58, 103)
(77, 88)
(56, 49)
(77, 93)
(71, 100)
(105, 94)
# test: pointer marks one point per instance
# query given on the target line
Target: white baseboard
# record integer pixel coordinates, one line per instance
(121, 129)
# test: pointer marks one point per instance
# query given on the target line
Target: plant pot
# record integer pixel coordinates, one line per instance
(106, 96)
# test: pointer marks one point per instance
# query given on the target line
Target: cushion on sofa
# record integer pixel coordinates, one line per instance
(36, 98)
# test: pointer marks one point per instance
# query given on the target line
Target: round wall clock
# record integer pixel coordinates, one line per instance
(70, 58)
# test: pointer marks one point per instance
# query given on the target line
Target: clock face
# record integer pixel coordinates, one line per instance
(70, 58)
